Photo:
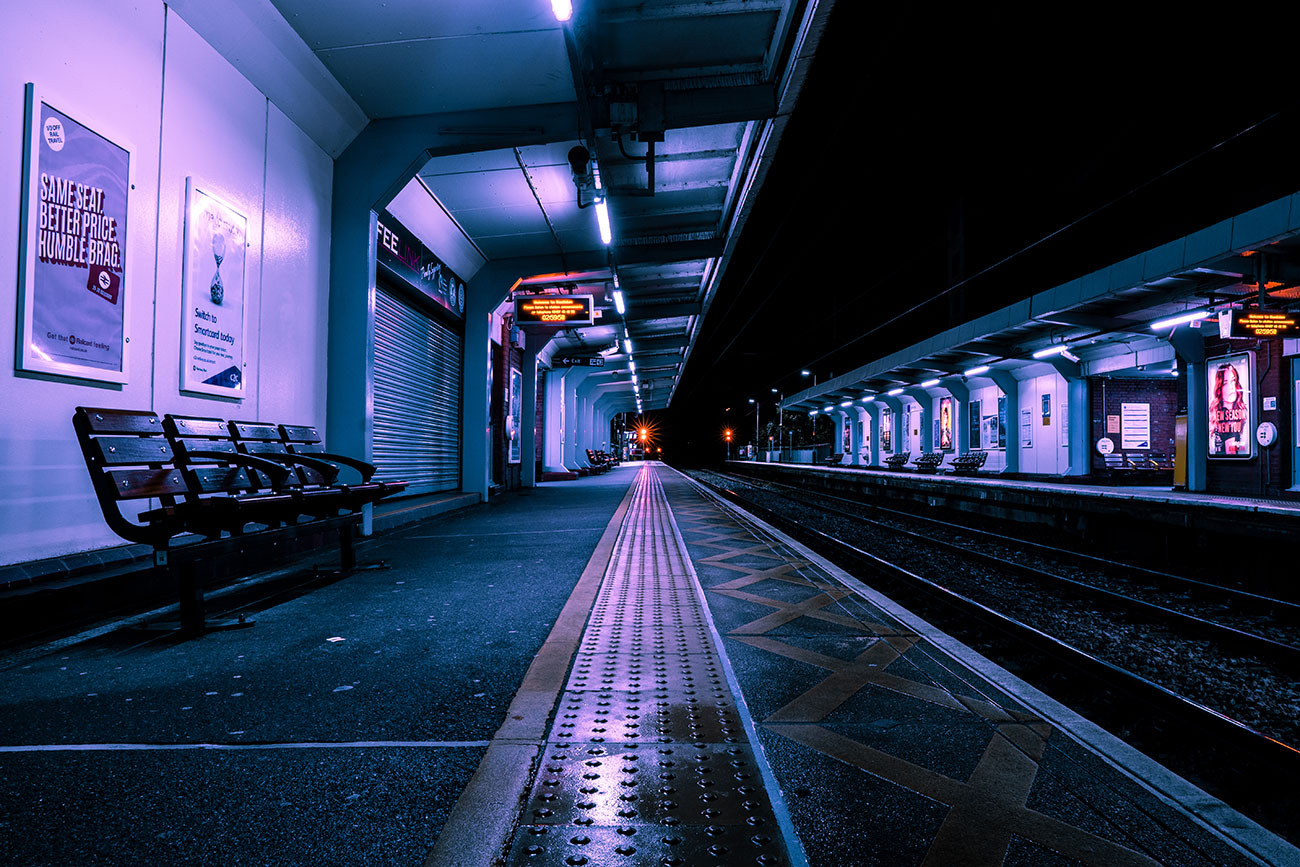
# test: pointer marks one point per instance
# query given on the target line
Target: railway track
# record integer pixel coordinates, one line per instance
(1188, 725)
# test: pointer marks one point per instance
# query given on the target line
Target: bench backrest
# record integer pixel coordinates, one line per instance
(129, 458)
(208, 475)
(304, 440)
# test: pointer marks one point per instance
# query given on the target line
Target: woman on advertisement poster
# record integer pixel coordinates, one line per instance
(1230, 408)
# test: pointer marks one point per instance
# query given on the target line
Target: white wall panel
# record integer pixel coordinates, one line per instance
(182, 110)
(213, 129)
(1047, 456)
(295, 276)
(48, 507)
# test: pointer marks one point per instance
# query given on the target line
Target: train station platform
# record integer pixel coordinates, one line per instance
(616, 670)
(1158, 525)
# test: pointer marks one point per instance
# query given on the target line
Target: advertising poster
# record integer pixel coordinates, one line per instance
(73, 287)
(1135, 425)
(945, 423)
(1047, 410)
(886, 429)
(865, 440)
(1026, 429)
(515, 417)
(1002, 422)
(212, 295)
(973, 424)
(1232, 408)
(846, 436)
(989, 432)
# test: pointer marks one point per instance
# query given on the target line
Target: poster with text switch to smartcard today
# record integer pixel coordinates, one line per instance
(213, 296)
(73, 277)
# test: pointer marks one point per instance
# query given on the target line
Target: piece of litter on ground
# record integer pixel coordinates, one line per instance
(336, 638)
(479, 694)
(343, 688)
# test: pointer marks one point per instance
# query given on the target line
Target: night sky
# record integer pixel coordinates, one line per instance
(921, 124)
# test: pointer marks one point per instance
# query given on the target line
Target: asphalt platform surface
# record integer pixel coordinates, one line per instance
(340, 729)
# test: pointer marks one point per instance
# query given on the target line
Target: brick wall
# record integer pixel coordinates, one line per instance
(1166, 397)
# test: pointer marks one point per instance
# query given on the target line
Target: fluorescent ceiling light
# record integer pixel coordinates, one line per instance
(977, 370)
(618, 302)
(627, 344)
(812, 412)
(930, 383)
(846, 403)
(827, 408)
(602, 217)
(1049, 351)
(1179, 320)
(563, 9)
(631, 365)
(869, 398)
(894, 391)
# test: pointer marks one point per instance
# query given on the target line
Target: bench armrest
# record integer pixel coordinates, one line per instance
(279, 474)
(325, 468)
(365, 469)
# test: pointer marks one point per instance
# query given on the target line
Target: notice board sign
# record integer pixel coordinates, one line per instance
(1231, 406)
(213, 295)
(72, 269)
(558, 310)
(1135, 425)
(514, 418)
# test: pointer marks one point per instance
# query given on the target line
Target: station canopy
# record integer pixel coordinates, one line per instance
(678, 105)
(1102, 323)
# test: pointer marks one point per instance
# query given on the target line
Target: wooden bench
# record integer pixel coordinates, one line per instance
(897, 460)
(599, 463)
(834, 460)
(928, 462)
(212, 484)
(969, 463)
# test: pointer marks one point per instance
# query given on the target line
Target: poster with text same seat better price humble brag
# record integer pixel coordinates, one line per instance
(73, 286)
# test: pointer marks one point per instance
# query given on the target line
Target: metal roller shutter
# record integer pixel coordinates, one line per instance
(417, 397)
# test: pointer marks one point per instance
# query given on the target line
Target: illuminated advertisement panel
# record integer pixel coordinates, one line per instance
(945, 423)
(1231, 406)
(561, 310)
(886, 430)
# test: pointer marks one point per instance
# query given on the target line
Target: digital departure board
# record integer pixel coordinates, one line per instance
(560, 310)
(1257, 323)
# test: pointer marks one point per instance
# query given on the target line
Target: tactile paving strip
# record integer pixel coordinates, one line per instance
(647, 761)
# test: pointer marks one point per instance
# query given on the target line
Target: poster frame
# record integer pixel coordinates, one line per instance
(514, 418)
(949, 442)
(27, 358)
(1252, 409)
(189, 383)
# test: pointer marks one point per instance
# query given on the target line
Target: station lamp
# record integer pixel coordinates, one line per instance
(977, 370)
(894, 392)
(1049, 351)
(868, 398)
(846, 403)
(563, 9)
(930, 383)
(1179, 320)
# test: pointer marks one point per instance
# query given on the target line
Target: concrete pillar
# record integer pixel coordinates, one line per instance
(1077, 415)
(873, 412)
(926, 405)
(1011, 388)
(553, 433)
(528, 416)
(573, 378)
(1189, 343)
(837, 445)
(859, 443)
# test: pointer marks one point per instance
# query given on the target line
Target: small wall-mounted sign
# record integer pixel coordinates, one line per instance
(1266, 433)
(579, 361)
(1105, 446)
